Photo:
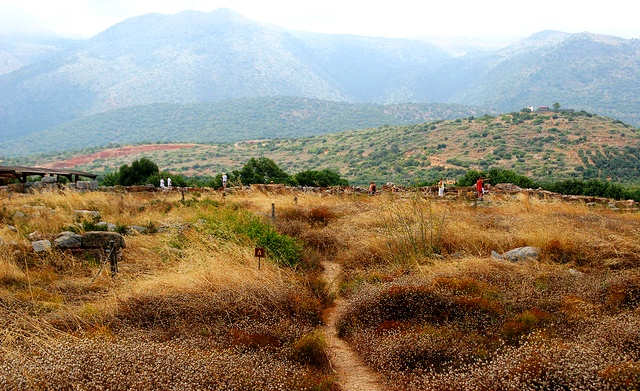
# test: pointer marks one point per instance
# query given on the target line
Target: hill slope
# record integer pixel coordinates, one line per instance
(196, 57)
(562, 145)
(226, 121)
(586, 71)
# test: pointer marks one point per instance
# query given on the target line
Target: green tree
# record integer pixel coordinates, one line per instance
(322, 178)
(263, 170)
(556, 106)
(139, 173)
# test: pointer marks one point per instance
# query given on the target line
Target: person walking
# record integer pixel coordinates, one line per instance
(169, 183)
(224, 181)
(441, 188)
(162, 183)
(480, 188)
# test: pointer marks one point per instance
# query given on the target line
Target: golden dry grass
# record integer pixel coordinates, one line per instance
(190, 299)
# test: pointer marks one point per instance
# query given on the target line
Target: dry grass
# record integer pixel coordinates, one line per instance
(427, 307)
(189, 309)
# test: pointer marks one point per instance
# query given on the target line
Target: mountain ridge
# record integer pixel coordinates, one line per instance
(194, 57)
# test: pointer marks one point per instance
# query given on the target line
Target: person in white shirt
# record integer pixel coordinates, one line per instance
(169, 183)
(441, 188)
(224, 181)
(161, 183)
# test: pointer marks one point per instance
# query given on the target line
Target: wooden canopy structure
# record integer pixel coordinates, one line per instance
(22, 173)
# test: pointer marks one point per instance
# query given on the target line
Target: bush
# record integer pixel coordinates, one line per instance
(263, 170)
(311, 349)
(323, 178)
(139, 173)
(593, 187)
(496, 175)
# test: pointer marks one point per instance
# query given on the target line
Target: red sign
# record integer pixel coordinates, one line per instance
(259, 252)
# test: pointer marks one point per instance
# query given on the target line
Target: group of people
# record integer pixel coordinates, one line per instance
(162, 186)
(480, 189)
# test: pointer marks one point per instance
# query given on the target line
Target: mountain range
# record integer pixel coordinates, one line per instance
(194, 57)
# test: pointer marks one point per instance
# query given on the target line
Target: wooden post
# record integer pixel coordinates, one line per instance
(113, 258)
(295, 200)
(273, 211)
(182, 192)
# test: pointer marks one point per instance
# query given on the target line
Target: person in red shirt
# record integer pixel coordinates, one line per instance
(480, 187)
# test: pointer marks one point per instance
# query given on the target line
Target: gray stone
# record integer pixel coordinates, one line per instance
(107, 226)
(87, 214)
(102, 239)
(19, 215)
(575, 272)
(12, 228)
(33, 236)
(40, 246)
(49, 179)
(521, 253)
(138, 229)
(68, 240)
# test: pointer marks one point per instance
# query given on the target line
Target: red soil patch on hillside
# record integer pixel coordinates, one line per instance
(114, 152)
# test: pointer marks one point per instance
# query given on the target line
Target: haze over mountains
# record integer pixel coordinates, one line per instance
(195, 57)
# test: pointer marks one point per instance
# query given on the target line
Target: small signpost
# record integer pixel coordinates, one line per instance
(259, 253)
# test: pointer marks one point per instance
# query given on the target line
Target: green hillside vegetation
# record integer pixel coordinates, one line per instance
(548, 146)
(226, 121)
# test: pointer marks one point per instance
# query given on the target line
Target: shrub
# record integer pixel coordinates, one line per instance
(263, 170)
(312, 349)
(323, 178)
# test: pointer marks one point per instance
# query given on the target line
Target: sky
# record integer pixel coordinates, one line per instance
(488, 20)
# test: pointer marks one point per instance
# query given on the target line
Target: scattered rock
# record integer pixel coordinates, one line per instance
(12, 228)
(575, 272)
(102, 239)
(19, 215)
(138, 229)
(87, 214)
(34, 236)
(68, 240)
(518, 254)
(40, 246)
(107, 226)
(508, 188)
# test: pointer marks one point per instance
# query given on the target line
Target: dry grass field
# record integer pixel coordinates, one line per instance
(419, 298)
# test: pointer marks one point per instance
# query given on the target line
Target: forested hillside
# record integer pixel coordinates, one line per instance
(543, 146)
(226, 121)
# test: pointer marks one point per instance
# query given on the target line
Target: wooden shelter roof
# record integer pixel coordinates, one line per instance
(19, 172)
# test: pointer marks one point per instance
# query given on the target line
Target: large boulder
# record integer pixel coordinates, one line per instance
(68, 240)
(102, 239)
(518, 254)
(40, 246)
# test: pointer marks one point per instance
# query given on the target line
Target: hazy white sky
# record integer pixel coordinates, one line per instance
(397, 18)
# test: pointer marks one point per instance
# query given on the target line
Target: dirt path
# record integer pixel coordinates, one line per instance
(352, 373)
